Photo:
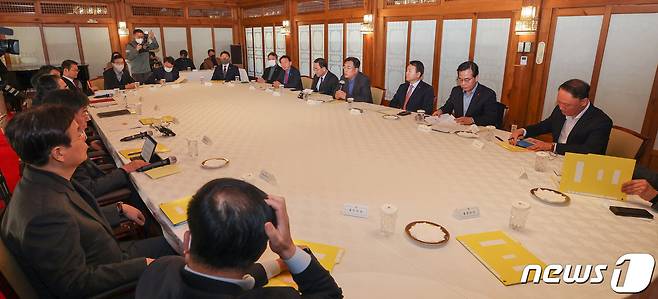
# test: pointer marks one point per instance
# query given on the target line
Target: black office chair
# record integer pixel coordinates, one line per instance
(501, 110)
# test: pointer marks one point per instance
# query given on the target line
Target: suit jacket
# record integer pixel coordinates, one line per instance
(589, 135)
(270, 76)
(642, 172)
(208, 64)
(361, 91)
(111, 81)
(167, 278)
(75, 85)
(422, 97)
(231, 72)
(482, 108)
(294, 78)
(160, 73)
(328, 85)
(182, 64)
(92, 178)
(61, 240)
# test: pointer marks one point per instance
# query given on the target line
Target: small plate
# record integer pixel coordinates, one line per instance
(441, 129)
(409, 226)
(390, 116)
(214, 163)
(559, 199)
(467, 134)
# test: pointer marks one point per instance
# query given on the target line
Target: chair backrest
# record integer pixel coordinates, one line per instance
(377, 95)
(625, 143)
(307, 82)
(501, 110)
(13, 274)
(98, 83)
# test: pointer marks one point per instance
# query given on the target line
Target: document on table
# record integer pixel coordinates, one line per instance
(176, 210)
(596, 175)
(327, 255)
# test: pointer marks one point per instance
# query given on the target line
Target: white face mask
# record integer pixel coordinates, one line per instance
(118, 67)
(168, 69)
(139, 40)
(271, 63)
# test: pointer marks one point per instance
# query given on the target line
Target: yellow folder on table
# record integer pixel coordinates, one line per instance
(133, 152)
(504, 257)
(176, 210)
(596, 175)
(150, 120)
(162, 171)
(327, 255)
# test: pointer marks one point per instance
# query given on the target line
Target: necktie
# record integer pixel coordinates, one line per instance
(285, 79)
(319, 84)
(410, 90)
(225, 67)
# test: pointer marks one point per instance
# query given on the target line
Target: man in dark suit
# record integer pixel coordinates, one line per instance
(471, 102)
(183, 62)
(576, 125)
(414, 94)
(230, 222)
(92, 178)
(70, 72)
(118, 76)
(356, 85)
(644, 185)
(272, 69)
(289, 76)
(324, 81)
(53, 226)
(168, 72)
(225, 70)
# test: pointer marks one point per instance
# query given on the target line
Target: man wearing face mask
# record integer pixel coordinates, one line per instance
(169, 73)
(226, 70)
(272, 71)
(118, 76)
(210, 62)
(137, 54)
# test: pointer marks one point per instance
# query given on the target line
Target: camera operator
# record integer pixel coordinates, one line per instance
(137, 54)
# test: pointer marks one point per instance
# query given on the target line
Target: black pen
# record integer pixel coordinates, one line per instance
(499, 138)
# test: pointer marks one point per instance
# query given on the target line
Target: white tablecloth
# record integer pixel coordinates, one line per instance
(323, 157)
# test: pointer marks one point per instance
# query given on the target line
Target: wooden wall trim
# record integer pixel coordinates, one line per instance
(598, 60)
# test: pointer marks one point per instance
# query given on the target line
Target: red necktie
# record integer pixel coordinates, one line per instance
(285, 80)
(410, 90)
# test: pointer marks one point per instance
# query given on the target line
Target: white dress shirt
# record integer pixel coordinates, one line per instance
(569, 123)
(320, 80)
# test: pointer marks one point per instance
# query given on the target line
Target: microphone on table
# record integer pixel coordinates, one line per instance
(168, 161)
(137, 136)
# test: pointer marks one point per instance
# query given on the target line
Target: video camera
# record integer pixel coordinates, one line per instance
(10, 46)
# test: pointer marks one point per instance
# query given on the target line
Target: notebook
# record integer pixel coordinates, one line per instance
(176, 210)
(327, 255)
(500, 254)
(162, 171)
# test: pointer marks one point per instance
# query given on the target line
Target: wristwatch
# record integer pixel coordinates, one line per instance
(120, 207)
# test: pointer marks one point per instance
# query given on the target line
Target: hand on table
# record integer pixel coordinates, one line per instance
(260, 80)
(97, 145)
(276, 84)
(133, 165)
(131, 86)
(538, 145)
(515, 136)
(149, 260)
(280, 239)
(437, 113)
(465, 120)
(641, 188)
(341, 95)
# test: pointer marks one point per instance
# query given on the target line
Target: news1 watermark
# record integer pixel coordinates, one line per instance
(638, 273)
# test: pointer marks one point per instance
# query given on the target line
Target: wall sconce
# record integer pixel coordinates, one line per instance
(285, 27)
(123, 29)
(528, 22)
(367, 26)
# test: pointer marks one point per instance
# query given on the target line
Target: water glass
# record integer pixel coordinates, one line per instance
(519, 215)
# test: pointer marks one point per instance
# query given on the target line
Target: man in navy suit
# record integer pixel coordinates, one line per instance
(225, 70)
(414, 94)
(324, 81)
(576, 125)
(169, 73)
(355, 84)
(289, 77)
(471, 102)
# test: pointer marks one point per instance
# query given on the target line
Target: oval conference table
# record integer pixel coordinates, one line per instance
(322, 156)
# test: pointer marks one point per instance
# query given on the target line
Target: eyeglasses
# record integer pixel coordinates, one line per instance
(349, 68)
(465, 80)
